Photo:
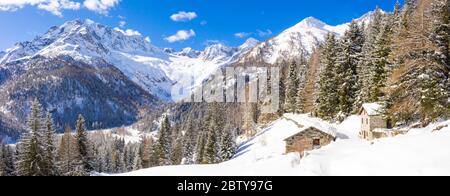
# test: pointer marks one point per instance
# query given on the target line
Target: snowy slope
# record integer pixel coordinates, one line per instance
(420, 152)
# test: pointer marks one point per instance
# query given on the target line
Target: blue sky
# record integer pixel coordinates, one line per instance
(210, 20)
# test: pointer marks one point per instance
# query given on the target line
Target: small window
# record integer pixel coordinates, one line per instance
(367, 121)
(316, 142)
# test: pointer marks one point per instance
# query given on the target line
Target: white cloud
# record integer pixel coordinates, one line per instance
(265, 33)
(181, 36)
(128, 32)
(242, 34)
(204, 22)
(53, 6)
(122, 24)
(57, 6)
(183, 16)
(100, 6)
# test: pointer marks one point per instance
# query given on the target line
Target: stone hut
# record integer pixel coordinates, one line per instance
(310, 138)
(374, 126)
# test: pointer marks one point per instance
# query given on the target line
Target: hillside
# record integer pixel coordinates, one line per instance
(422, 151)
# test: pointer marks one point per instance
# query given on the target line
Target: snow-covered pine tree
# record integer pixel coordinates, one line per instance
(292, 83)
(163, 145)
(83, 144)
(188, 144)
(31, 150)
(69, 158)
(137, 162)
(349, 57)
(368, 56)
(300, 98)
(200, 148)
(327, 94)
(228, 144)
(177, 150)
(6, 160)
(380, 60)
(50, 167)
(210, 151)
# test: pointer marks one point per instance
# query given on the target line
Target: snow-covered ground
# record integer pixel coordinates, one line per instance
(423, 151)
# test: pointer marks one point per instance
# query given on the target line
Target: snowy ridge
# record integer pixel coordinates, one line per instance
(420, 152)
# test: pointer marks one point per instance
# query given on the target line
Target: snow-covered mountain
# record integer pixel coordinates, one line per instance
(300, 39)
(107, 74)
(152, 68)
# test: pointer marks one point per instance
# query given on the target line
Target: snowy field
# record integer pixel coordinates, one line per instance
(423, 151)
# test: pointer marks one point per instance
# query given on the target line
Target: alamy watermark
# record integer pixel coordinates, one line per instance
(234, 85)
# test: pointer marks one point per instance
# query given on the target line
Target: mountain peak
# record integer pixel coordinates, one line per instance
(250, 42)
(311, 22)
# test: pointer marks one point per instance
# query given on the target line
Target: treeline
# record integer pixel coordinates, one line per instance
(40, 152)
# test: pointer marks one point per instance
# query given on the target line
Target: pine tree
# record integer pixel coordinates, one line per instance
(83, 144)
(369, 54)
(188, 144)
(31, 148)
(6, 160)
(69, 158)
(349, 57)
(292, 85)
(380, 58)
(228, 145)
(50, 149)
(137, 162)
(177, 150)
(163, 146)
(327, 93)
(210, 151)
(200, 148)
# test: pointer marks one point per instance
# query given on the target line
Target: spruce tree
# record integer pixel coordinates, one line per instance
(30, 160)
(327, 94)
(369, 54)
(163, 145)
(50, 149)
(83, 144)
(6, 161)
(228, 145)
(349, 57)
(137, 162)
(210, 151)
(200, 148)
(292, 85)
(177, 150)
(188, 144)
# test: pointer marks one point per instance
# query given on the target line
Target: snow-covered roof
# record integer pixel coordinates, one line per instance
(372, 109)
(311, 123)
